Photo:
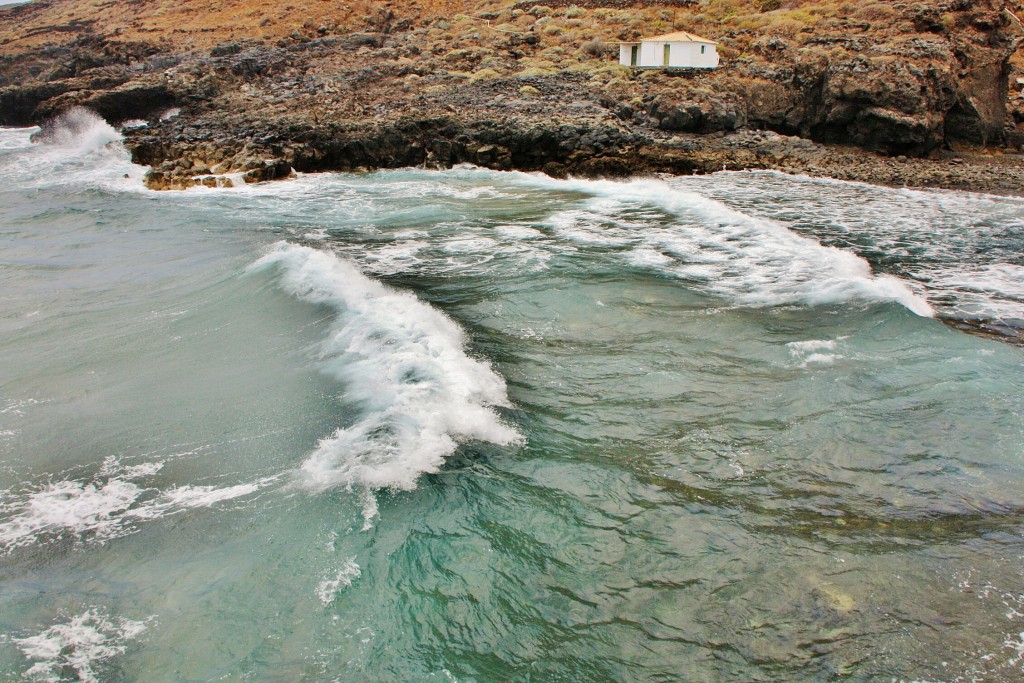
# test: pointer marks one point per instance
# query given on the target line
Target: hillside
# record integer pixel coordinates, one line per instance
(265, 87)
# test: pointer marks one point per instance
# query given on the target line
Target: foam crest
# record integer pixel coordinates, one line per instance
(404, 364)
(78, 646)
(752, 261)
(962, 250)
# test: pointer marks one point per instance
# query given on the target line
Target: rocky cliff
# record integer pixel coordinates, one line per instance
(258, 88)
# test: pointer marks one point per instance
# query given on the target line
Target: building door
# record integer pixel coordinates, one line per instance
(635, 56)
(668, 52)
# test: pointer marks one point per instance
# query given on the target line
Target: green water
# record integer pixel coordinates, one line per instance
(475, 426)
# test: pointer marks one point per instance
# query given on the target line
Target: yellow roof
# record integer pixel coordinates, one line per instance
(680, 37)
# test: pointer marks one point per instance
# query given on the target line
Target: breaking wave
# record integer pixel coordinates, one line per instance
(75, 148)
(961, 250)
(404, 364)
(723, 252)
(77, 129)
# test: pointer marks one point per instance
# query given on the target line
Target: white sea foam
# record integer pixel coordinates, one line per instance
(67, 507)
(100, 511)
(185, 497)
(993, 291)
(649, 258)
(595, 227)
(750, 260)
(411, 234)
(16, 138)
(370, 508)
(328, 589)
(112, 467)
(404, 363)
(815, 351)
(470, 245)
(958, 248)
(78, 129)
(78, 646)
(16, 407)
(801, 347)
(396, 257)
(432, 186)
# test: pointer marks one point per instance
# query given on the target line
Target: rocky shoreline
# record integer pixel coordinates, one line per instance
(914, 95)
(574, 148)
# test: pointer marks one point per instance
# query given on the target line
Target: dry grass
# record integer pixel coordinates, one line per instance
(458, 40)
(203, 24)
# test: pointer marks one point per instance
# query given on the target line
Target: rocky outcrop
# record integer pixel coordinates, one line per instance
(119, 104)
(906, 96)
(556, 148)
(595, 148)
(19, 106)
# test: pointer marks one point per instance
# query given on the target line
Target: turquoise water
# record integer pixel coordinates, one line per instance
(482, 426)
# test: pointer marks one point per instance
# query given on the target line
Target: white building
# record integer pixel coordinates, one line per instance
(679, 50)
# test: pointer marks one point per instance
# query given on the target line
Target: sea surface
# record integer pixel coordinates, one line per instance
(479, 426)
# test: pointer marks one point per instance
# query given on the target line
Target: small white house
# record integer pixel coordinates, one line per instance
(679, 50)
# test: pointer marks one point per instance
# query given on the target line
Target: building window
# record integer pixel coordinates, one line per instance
(703, 48)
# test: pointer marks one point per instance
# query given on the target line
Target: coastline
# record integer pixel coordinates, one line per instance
(586, 148)
(178, 161)
(900, 100)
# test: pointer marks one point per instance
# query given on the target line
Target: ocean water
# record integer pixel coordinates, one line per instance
(481, 426)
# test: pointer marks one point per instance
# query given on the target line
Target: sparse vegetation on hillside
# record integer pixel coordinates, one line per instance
(903, 77)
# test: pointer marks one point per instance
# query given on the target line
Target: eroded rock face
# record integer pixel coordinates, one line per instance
(19, 105)
(882, 102)
(908, 95)
(911, 96)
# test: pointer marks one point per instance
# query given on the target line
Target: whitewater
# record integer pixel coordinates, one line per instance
(482, 426)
